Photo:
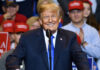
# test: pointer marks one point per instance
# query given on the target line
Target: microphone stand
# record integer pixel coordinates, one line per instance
(49, 34)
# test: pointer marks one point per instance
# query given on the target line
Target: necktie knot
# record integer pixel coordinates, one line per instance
(52, 37)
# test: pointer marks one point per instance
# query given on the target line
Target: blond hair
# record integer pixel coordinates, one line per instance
(50, 7)
(41, 2)
(32, 20)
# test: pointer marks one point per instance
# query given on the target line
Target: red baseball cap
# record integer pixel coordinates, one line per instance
(88, 1)
(21, 27)
(8, 26)
(75, 5)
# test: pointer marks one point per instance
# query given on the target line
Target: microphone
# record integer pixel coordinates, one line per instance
(49, 34)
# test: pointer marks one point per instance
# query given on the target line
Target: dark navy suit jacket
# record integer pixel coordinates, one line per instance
(32, 49)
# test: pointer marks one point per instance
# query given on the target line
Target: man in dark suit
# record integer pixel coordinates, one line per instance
(33, 45)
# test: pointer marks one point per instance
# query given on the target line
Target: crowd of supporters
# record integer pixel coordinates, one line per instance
(17, 17)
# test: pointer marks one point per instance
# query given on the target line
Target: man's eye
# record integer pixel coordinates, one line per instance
(79, 11)
(46, 17)
(53, 16)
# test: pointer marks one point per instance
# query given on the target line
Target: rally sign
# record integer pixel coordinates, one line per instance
(4, 42)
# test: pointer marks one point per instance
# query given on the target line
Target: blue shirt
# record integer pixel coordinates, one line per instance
(91, 36)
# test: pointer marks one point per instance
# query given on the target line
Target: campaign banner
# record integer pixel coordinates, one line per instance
(4, 42)
(90, 59)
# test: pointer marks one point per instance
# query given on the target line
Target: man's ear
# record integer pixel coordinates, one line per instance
(4, 9)
(59, 19)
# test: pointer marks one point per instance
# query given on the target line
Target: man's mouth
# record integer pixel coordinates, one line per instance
(50, 24)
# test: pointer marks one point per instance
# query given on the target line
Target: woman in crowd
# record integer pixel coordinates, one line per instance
(33, 22)
(88, 16)
(90, 19)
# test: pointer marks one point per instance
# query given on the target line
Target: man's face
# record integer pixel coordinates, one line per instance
(50, 20)
(12, 11)
(76, 15)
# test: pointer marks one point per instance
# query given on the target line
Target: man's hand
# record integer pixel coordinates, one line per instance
(7, 16)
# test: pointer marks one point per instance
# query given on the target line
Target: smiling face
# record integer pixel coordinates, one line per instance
(50, 20)
(76, 16)
(12, 10)
(50, 17)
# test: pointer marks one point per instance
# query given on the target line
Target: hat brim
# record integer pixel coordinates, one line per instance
(8, 30)
(75, 9)
(20, 30)
(10, 5)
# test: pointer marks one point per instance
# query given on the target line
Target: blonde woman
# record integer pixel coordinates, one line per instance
(33, 22)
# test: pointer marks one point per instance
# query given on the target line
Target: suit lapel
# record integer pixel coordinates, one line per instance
(43, 48)
(59, 46)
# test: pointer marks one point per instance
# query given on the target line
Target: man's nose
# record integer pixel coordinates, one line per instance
(75, 13)
(50, 19)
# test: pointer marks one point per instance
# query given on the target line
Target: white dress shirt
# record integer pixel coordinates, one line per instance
(91, 36)
(47, 39)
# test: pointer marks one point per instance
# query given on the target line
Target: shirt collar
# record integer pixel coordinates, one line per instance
(55, 34)
(84, 24)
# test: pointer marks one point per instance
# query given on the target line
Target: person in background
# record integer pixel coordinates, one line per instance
(8, 26)
(89, 18)
(17, 30)
(64, 5)
(89, 35)
(20, 28)
(33, 45)
(11, 10)
(96, 12)
(26, 6)
(33, 22)
(3, 59)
